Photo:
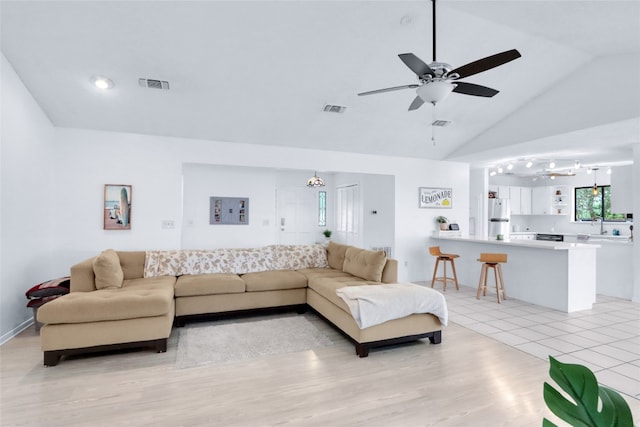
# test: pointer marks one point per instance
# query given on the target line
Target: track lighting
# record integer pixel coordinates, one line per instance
(552, 164)
(500, 170)
(609, 171)
(529, 164)
(510, 166)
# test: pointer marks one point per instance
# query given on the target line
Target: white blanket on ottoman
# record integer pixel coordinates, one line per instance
(374, 304)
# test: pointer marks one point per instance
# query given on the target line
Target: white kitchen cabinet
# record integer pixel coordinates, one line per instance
(514, 196)
(540, 201)
(525, 200)
(522, 236)
(622, 189)
(503, 192)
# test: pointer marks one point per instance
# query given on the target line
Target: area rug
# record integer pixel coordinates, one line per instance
(234, 342)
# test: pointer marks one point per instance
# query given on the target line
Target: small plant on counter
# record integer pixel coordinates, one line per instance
(443, 221)
(590, 405)
(327, 233)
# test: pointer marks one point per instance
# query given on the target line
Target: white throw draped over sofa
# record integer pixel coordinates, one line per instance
(122, 299)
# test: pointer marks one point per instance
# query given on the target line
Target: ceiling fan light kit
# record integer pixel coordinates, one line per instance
(437, 79)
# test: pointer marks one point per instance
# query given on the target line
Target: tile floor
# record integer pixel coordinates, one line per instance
(606, 338)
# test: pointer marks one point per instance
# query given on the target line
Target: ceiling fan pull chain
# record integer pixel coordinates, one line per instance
(433, 120)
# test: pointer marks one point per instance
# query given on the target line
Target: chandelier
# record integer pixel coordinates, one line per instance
(315, 181)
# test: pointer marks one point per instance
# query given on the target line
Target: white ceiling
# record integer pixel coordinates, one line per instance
(261, 71)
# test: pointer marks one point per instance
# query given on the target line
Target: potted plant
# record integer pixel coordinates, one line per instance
(443, 221)
(327, 234)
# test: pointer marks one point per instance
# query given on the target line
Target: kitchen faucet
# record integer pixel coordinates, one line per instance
(602, 230)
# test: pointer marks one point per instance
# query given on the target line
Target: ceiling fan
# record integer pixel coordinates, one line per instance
(438, 79)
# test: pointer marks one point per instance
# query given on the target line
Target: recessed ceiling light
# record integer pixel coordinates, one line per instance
(102, 82)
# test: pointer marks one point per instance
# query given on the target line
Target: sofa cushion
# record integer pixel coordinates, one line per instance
(108, 271)
(295, 257)
(317, 273)
(209, 284)
(365, 264)
(327, 287)
(335, 255)
(274, 280)
(108, 304)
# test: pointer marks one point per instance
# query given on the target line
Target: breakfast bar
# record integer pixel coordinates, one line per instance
(556, 275)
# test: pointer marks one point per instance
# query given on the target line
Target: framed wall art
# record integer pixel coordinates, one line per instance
(435, 197)
(117, 207)
(228, 210)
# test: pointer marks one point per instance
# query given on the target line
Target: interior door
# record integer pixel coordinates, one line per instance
(348, 215)
(296, 216)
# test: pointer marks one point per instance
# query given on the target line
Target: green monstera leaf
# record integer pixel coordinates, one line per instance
(584, 411)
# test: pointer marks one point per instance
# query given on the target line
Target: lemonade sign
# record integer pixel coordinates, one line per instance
(430, 197)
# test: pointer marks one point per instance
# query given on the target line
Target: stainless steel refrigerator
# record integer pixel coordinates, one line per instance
(499, 216)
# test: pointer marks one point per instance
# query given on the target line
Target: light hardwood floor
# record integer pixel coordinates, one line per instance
(468, 380)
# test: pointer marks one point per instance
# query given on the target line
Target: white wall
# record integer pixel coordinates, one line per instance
(204, 181)
(154, 166)
(53, 181)
(29, 201)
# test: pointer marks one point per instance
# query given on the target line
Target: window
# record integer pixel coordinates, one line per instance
(589, 207)
(322, 208)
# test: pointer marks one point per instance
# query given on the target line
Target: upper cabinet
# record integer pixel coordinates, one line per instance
(540, 202)
(622, 189)
(550, 200)
(545, 200)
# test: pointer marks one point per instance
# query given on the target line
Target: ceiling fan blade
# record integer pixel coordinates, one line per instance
(389, 89)
(417, 103)
(473, 89)
(485, 64)
(416, 64)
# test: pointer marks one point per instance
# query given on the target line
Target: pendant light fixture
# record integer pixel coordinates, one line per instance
(315, 181)
(594, 191)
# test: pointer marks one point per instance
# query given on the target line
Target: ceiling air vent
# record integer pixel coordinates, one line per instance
(441, 123)
(154, 84)
(334, 109)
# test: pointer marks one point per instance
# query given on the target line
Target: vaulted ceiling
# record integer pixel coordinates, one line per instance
(261, 72)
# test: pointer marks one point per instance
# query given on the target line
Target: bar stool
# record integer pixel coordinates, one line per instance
(435, 251)
(492, 261)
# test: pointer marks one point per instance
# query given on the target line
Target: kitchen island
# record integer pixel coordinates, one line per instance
(557, 275)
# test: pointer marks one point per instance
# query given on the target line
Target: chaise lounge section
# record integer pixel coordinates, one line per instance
(131, 299)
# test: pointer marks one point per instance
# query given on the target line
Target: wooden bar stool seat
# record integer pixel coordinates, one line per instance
(492, 261)
(435, 251)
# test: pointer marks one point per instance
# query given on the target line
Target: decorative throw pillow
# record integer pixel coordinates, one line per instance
(367, 265)
(108, 271)
(335, 255)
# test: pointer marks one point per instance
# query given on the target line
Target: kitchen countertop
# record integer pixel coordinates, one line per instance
(591, 238)
(537, 244)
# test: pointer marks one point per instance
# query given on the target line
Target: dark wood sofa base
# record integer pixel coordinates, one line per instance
(52, 357)
(180, 321)
(362, 349)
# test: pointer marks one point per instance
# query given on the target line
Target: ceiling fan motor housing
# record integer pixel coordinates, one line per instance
(439, 68)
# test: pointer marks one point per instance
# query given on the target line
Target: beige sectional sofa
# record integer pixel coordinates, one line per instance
(132, 299)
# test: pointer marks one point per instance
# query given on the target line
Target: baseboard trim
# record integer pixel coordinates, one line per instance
(15, 331)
